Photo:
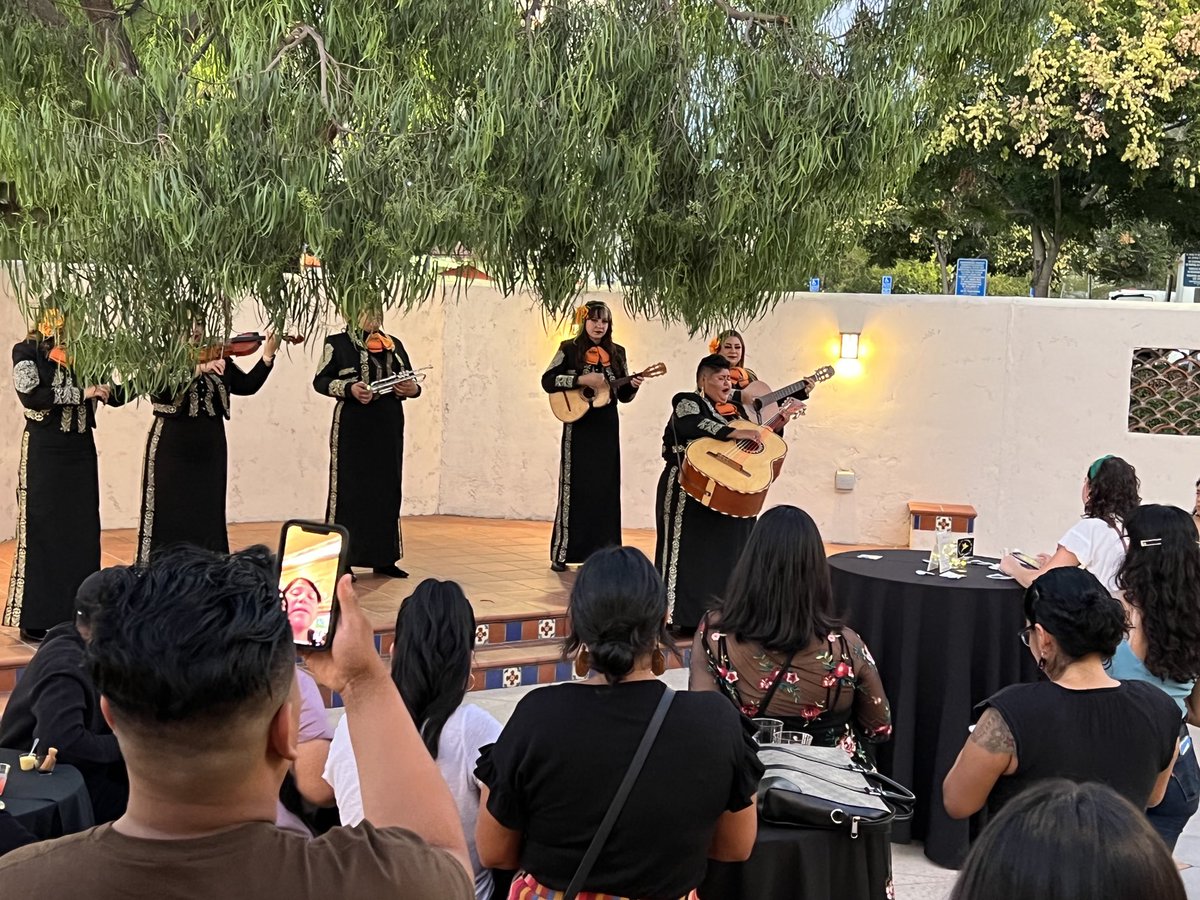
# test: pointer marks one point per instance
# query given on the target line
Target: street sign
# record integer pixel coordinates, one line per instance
(814, 285)
(887, 284)
(970, 278)
(1191, 270)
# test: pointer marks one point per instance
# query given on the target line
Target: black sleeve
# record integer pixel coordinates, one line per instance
(501, 766)
(244, 384)
(402, 355)
(626, 391)
(559, 376)
(32, 390)
(691, 420)
(327, 381)
(119, 395)
(59, 707)
(747, 768)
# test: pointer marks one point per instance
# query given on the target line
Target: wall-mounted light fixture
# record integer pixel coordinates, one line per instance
(849, 345)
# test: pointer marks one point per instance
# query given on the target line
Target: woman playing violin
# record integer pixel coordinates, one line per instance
(185, 469)
(366, 443)
(588, 516)
(697, 546)
(58, 490)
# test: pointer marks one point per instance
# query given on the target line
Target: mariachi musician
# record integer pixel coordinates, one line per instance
(697, 546)
(731, 345)
(58, 488)
(186, 465)
(366, 442)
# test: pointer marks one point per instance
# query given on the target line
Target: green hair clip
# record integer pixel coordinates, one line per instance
(1094, 469)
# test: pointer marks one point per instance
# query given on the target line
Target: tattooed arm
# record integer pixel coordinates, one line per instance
(989, 753)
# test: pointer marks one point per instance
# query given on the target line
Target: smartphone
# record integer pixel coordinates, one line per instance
(312, 557)
(1026, 560)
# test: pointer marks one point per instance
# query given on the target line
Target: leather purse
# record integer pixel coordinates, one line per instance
(820, 787)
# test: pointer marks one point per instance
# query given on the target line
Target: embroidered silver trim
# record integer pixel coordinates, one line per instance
(26, 377)
(347, 371)
(558, 549)
(165, 409)
(331, 502)
(564, 381)
(16, 582)
(337, 387)
(67, 395)
(36, 415)
(687, 408)
(146, 531)
(673, 536)
(710, 426)
(326, 357)
(557, 361)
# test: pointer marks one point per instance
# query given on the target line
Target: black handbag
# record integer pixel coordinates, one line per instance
(820, 787)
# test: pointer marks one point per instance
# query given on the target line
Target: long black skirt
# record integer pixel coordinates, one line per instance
(183, 485)
(366, 466)
(695, 551)
(588, 517)
(58, 527)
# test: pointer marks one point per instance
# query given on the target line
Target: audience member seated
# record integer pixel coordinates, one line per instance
(195, 666)
(305, 795)
(1160, 586)
(1069, 841)
(552, 775)
(773, 648)
(56, 703)
(1097, 541)
(431, 666)
(1081, 724)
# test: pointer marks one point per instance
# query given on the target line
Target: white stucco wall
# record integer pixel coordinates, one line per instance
(997, 402)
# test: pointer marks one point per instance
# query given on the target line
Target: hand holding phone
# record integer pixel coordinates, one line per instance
(1026, 560)
(352, 658)
(312, 556)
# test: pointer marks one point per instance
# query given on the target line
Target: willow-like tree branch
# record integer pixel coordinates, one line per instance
(749, 15)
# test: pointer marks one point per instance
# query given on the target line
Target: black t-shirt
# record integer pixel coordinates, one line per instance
(562, 755)
(1121, 736)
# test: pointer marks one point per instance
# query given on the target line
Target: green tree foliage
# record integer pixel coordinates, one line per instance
(171, 156)
(1099, 124)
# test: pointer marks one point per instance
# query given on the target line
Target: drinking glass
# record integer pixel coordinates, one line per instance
(3, 776)
(768, 731)
(795, 737)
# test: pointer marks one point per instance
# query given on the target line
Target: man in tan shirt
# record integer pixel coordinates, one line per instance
(194, 663)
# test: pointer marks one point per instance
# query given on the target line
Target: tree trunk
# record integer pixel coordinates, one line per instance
(1045, 255)
(943, 256)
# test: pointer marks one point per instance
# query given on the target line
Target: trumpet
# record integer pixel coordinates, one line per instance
(383, 385)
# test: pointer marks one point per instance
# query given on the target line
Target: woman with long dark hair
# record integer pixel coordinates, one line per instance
(1097, 541)
(1080, 723)
(588, 515)
(431, 667)
(1160, 586)
(58, 486)
(774, 648)
(1071, 842)
(553, 772)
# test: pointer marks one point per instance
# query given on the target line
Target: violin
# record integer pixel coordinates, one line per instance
(243, 345)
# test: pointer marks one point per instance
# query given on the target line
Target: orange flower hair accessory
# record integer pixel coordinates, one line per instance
(51, 321)
(581, 314)
(714, 345)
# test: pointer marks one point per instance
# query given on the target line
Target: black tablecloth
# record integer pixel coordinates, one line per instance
(47, 805)
(941, 646)
(805, 864)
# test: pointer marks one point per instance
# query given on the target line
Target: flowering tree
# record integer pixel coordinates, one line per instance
(1100, 122)
(169, 156)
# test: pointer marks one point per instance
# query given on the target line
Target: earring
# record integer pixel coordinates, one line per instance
(658, 661)
(471, 682)
(583, 663)
(1042, 663)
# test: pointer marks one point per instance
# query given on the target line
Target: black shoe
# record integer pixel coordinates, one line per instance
(33, 635)
(558, 567)
(392, 571)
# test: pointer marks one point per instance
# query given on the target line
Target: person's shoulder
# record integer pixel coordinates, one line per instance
(686, 396)
(1153, 697)
(380, 857)
(33, 863)
(711, 708)
(472, 721)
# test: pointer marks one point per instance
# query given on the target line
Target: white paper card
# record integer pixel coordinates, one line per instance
(869, 556)
(951, 575)
(1000, 577)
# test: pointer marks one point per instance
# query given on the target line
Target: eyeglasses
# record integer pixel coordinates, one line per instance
(1024, 633)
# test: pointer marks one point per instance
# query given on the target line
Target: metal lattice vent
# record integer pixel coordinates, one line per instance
(1164, 391)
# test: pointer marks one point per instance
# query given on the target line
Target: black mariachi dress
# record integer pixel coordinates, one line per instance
(588, 516)
(185, 471)
(696, 546)
(366, 448)
(58, 491)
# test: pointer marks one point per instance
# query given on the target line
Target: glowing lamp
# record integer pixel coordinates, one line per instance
(849, 345)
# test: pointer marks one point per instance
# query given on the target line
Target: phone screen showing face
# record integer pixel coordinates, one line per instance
(311, 557)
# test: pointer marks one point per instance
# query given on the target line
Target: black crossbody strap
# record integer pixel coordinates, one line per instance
(618, 802)
(780, 674)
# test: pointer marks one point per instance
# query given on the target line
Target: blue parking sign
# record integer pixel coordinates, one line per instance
(814, 285)
(887, 284)
(970, 277)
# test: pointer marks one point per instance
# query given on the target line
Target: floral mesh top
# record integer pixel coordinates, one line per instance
(829, 689)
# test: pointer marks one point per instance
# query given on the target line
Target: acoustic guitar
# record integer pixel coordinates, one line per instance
(732, 477)
(571, 406)
(762, 403)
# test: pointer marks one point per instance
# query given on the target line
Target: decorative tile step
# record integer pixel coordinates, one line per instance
(537, 662)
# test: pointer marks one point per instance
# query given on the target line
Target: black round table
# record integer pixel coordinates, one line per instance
(805, 864)
(942, 646)
(49, 806)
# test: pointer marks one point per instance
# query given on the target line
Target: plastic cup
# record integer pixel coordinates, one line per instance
(795, 737)
(28, 762)
(768, 731)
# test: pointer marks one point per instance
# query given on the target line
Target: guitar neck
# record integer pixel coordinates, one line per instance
(782, 393)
